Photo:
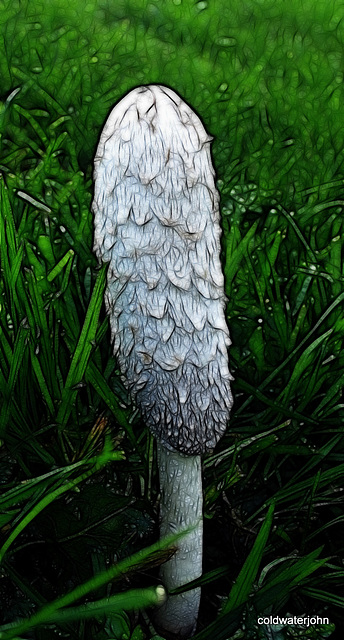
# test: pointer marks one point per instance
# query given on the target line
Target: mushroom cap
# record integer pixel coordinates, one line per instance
(157, 223)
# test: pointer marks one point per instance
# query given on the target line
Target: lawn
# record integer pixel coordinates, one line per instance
(79, 493)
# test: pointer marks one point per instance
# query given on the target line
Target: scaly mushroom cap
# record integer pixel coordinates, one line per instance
(157, 224)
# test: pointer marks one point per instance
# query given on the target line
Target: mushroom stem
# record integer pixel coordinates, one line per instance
(181, 507)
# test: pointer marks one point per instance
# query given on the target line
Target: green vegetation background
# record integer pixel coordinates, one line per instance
(77, 467)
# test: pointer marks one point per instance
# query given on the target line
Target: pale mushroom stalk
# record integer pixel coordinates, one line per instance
(181, 507)
(157, 223)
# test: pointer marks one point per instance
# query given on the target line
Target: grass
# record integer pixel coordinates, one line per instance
(77, 466)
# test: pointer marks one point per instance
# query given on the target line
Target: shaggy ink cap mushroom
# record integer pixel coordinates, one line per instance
(157, 223)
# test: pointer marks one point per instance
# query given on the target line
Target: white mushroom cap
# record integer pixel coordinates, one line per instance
(157, 224)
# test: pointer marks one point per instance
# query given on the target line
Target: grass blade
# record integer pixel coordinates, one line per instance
(248, 573)
(83, 349)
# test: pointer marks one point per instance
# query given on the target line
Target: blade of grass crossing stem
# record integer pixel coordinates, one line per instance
(206, 578)
(83, 348)
(132, 600)
(243, 584)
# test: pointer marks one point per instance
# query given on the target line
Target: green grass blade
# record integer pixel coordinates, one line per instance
(140, 559)
(233, 258)
(276, 371)
(83, 349)
(97, 380)
(132, 600)
(277, 588)
(324, 596)
(42, 382)
(55, 493)
(67, 258)
(302, 363)
(25, 490)
(17, 357)
(243, 584)
(33, 122)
